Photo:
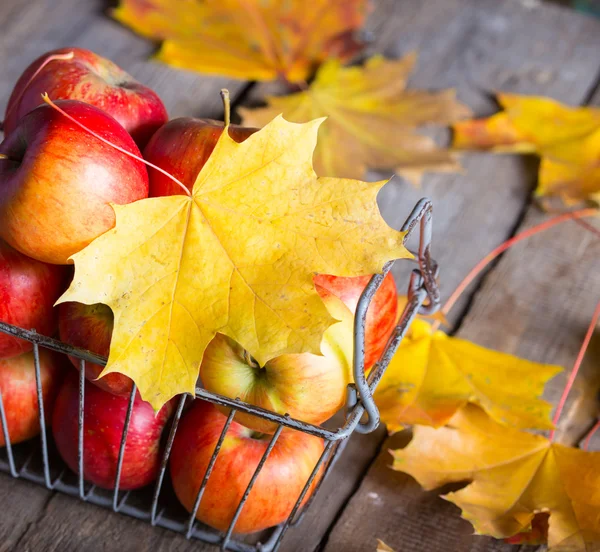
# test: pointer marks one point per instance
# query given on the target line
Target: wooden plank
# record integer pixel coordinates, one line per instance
(537, 302)
(583, 409)
(24, 503)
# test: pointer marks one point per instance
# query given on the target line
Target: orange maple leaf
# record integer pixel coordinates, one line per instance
(249, 39)
(566, 138)
(513, 476)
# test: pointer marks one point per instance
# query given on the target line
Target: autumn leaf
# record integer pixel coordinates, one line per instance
(433, 375)
(249, 39)
(566, 138)
(513, 475)
(371, 119)
(238, 257)
(382, 547)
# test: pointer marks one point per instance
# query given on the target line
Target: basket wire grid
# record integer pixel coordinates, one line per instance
(361, 416)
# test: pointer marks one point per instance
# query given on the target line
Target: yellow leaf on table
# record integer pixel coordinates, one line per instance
(238, 257)
(249, 39)
(433, 375)
(382, 547)
(371, 119)
(513, 475)
(566, 138)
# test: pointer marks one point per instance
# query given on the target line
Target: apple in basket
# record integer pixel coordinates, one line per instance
(90, 327)
(382, 314)
(276, 489)
(306, 386)
(78, 74)
(19, 392)
(182, 147)
(28, 290)
(57, 180)
(104, 419)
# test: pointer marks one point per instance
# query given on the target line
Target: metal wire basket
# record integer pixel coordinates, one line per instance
(37, 462)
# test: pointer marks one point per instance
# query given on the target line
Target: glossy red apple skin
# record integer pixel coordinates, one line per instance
(104, 419)
(28, 290)
(58, 183)
(92, 79)
(182, 147)
(19, 392)
(381, 316)
(276, 489)
(90, 327)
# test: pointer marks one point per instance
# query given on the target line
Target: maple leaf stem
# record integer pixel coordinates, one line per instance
(47, 99)
(575, 370)
(53, 57)
(588, 438)
(226, 106)
(546, 225)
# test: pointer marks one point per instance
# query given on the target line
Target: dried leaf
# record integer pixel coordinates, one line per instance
(566, 138)
(249, 39)
(371, 119)
(382, 547)
(238, 257)
(513, 475)
(433, 375)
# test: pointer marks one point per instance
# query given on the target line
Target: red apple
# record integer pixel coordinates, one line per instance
(19, 392)
(90, 327)
(104, 419)
(308, 387)
(88, 77)
(182, 147)
(276, 489)
(381, 316)
(58, 180)
(28, 290)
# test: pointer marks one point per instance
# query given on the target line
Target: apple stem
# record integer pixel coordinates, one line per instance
(468, 279)
(53, 57)
(46, 99)
(575, 370)
(226, 106)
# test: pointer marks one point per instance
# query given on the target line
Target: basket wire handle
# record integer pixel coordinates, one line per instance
(424, 278)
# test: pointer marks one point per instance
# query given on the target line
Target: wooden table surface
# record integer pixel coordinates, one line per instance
(536, 301)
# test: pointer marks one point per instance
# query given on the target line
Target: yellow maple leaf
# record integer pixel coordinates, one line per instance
(433, 375)
(237, 257)
(513, 475)
(249, 39)
(566, 138)
(371, 119)
(382, 547)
